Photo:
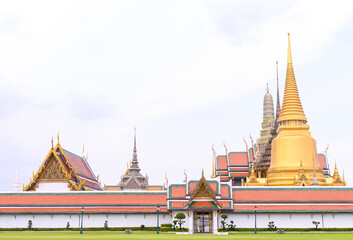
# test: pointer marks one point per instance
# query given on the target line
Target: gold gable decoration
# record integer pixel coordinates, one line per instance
(53, 171)
(203, 190)
(52, 168)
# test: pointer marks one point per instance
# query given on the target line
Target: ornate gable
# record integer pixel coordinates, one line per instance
(53, 170)
(57, 167)
(202, 192)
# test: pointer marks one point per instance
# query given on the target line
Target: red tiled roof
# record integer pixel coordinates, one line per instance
(178, 191)
(222, 162)
(240, 158)
(87, 209)
(322, 160)
(293, 207)
(251, 153)
(224, 178)
(178, 204)
(239, 174)
(225, 191)
(292, 194)
(81, 198)
(80, 164)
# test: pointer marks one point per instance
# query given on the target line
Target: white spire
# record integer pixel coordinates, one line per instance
(16, 185)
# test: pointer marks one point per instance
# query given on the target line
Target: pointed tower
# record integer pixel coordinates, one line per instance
(294, 142)
(264, 164)
(16, 185)
(266, 126)
(133, 179)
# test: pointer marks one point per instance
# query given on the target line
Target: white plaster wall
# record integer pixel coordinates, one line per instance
(242, 220)
(89, 220)
(53, 187)
(294, 220)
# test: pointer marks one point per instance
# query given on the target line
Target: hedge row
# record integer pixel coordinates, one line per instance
(162, 229)
(287, 229)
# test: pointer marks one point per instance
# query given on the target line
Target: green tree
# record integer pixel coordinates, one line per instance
(175, 222)
(231, 225)
(180, 217)
(316, 224)
(29, 225)
(224, 216)
(106, 225)
(271, 225)
(67, 226)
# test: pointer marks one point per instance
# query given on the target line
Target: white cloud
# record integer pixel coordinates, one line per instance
(95, 69)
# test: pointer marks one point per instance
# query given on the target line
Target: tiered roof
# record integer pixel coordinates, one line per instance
(203, 194)
(61, 165)
(234, 164)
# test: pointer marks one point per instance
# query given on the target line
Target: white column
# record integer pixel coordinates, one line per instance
(214, 222)
(191, 222)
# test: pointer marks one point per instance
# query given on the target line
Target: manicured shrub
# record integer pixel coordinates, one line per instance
(166, 225)
(180, 216)
(29, 225)
(67, 226)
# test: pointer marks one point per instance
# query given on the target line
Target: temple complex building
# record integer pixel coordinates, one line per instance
(280, 179)
(63, 170)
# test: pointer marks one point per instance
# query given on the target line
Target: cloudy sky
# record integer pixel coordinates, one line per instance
(187, 74)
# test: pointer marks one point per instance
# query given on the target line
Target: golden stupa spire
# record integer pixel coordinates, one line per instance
(291, 108)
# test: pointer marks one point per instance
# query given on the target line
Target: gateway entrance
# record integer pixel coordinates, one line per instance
(203, 222)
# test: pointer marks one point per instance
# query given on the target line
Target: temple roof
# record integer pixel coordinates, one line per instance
(62, 165)
(94, 202)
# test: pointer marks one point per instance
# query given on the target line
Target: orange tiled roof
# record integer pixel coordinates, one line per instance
(238, 159)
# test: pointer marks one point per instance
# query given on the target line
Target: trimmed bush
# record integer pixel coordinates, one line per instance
(166, 225)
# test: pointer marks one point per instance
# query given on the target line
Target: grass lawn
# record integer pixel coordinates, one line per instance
(169, 236)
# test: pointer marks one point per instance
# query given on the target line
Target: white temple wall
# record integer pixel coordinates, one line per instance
(290, 220)
(89, 220)
(242, 220)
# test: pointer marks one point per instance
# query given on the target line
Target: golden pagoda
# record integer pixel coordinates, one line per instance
(294, 155)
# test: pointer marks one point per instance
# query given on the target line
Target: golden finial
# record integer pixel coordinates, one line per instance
(166, 180)
(289, 56)
(202, 173)
(97, 177)
(246, 144)
(252, 172)
(58, 138)
(292, 109)
(213, 162)
(326, 149)
(185, 175)
(52, 143)
(252, 141)
(86, 156)
(225, 147)
(83, 148)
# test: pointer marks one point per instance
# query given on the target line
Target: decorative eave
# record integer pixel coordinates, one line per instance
(211, 194)
(69, 175)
